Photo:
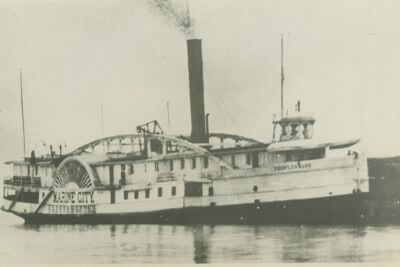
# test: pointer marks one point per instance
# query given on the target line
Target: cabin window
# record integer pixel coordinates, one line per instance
(173, 191)
(126, 194)
(205, 162)
(211, 191)
(123, 177)
(156, 168)
(36, 170)
(255, 188)
(193, 163)
(193, 189)
(233, 161)
(136, 194)
(255, 160)
(131, 170)
(248, 158)
(182, 164)
(147, 192)
(160, 191)
(111, 171)
(29, 170)
(171, 165)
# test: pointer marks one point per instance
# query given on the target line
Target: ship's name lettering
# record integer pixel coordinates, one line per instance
(74, 197)
(292, 167)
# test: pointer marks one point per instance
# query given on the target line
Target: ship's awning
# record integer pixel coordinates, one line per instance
(309, 144)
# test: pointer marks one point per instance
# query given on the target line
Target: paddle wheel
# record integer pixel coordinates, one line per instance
(73, 172)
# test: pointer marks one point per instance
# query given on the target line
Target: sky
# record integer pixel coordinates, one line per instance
(340, 58)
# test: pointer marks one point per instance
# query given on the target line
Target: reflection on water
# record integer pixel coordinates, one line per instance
(200, 244)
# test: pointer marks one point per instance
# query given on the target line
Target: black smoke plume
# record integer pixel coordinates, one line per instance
(174, 13)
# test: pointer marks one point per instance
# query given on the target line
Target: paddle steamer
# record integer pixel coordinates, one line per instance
(151, 177)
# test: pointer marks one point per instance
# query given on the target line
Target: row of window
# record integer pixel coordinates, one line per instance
(147, 193)
(193, 164)
(160, 192)
(251, 159)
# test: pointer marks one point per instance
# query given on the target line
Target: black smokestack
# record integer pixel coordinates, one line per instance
(196, 84)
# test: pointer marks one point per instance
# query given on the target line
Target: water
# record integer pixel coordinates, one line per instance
(194, 244)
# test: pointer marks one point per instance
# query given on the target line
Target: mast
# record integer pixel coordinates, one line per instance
(282, 76)
(22, 110)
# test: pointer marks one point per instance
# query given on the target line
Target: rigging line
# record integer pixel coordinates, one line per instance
(221, 119)
(227, 92)
(215, 99)
(233, 103)
(237, 106)
(224, 89)
(221, 98)
(222, 102)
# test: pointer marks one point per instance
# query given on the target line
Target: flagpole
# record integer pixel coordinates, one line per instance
(22, 110)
